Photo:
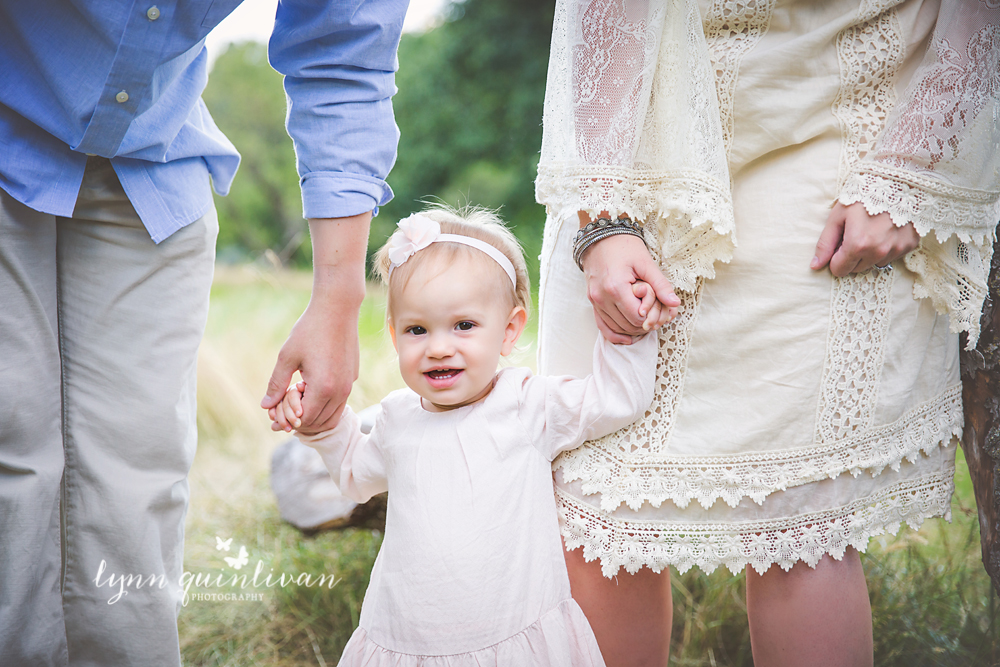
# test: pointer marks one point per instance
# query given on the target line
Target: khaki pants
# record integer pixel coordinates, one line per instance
(99, 333)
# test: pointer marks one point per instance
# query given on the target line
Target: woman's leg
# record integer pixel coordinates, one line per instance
(630, 614)
(819, 617)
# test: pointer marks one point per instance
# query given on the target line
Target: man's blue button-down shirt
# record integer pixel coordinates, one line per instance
(123, 79)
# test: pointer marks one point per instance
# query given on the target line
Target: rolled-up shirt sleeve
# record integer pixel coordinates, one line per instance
(339, 62)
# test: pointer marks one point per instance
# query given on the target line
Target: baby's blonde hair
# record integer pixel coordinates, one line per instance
(474, 222)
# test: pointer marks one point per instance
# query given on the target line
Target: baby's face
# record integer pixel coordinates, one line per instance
(449, 333)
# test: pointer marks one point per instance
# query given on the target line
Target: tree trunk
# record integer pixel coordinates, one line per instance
(981, 438)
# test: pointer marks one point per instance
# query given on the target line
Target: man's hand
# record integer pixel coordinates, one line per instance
(611, 266)
(854, 241)
(323, 344)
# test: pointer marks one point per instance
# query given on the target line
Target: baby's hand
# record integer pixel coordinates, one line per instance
(287, 415)
(656, 313)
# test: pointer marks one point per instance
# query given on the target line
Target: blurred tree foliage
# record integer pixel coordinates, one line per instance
(469, 109)
(264, 208)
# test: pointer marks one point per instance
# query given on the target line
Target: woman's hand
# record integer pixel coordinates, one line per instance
(611, 266)
(854, 241)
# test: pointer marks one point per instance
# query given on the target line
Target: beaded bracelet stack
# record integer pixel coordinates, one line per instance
(601, 229)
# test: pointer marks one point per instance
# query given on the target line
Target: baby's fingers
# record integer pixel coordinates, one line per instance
(294, 400)
(280, 421)
(667, 313)
(659, 315)
(647, 298)
(291, 418)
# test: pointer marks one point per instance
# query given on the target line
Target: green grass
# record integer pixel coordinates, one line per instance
(931, 600)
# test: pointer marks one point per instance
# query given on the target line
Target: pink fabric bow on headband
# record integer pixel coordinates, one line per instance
(417, 232)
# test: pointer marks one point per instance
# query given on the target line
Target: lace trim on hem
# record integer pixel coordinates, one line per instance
(759, 544)
(929, 205)
(952, 265)
(635, 481)
(694, 214)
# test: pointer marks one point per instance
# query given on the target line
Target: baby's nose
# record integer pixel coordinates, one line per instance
(440, 346)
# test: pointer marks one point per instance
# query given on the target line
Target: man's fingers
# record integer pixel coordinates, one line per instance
(278, 384)
(322, 405)
(327, 419)
(829, 239)
(314, 403)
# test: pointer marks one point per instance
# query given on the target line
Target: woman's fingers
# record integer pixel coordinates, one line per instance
(612, 294)
(854, 241)
(830, 238)
(650, 273)
(655, 312)
(624, 319)
(609, 333)
(615, 304)
(612, 266)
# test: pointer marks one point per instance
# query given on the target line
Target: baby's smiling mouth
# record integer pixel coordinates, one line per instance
(443, 378)
(443, 373)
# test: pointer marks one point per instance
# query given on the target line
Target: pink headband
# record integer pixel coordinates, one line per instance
(417, 232)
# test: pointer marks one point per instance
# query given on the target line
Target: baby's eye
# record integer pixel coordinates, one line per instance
(416, 331)
(466, 326)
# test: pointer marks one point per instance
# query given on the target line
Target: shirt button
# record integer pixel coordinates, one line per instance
(121, 97)
(153, 13)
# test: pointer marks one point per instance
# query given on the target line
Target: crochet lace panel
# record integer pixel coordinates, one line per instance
(632, 126)
(937, 163)
(759, 544)
(615, 467)
(732, 29)
(870, 52)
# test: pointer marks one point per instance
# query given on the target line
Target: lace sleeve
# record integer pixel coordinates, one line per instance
(631, 125)
(937, 162)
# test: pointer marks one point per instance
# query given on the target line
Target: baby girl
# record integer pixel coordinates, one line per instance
(471, 570)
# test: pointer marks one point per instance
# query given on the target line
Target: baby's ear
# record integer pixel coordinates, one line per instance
(515, 327)
(392, 332)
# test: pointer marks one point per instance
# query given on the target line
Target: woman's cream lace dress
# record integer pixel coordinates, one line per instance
(796, 414)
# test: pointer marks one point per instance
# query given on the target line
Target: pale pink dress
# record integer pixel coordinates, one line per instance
(471, 570)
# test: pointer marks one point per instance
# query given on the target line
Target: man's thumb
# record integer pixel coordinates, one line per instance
(278, 384)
